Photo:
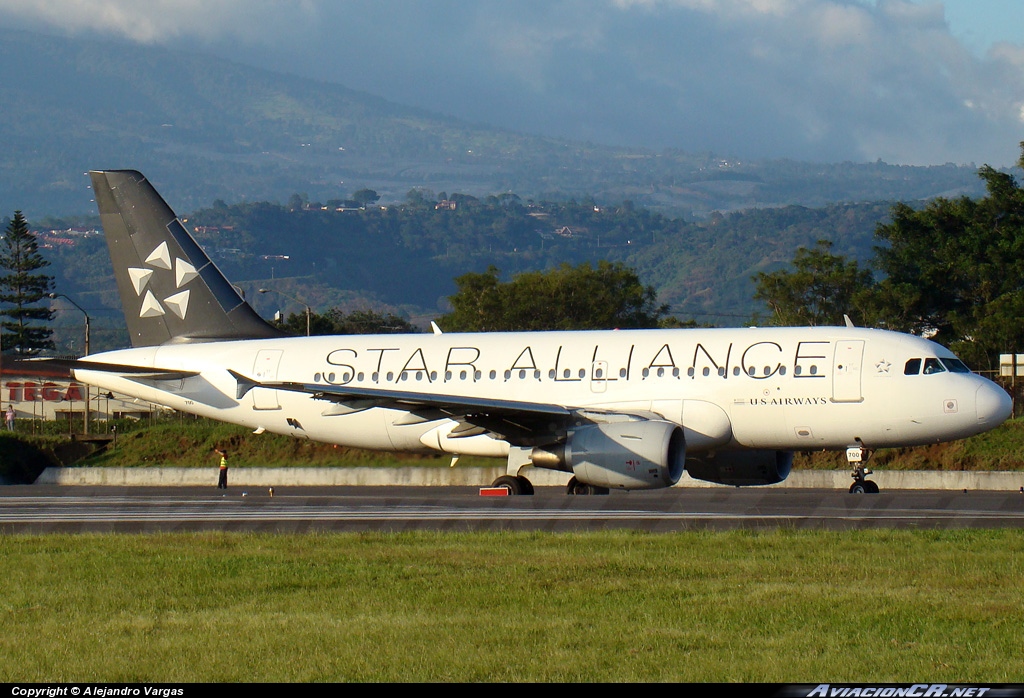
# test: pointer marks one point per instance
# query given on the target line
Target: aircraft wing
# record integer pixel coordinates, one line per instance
(520, 423)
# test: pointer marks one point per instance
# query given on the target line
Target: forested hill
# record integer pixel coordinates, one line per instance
(406, 256)
(204, 129)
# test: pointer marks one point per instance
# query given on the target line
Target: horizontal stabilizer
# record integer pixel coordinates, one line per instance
(126, 370)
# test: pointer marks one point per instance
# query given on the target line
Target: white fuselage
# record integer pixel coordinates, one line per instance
(752, 388)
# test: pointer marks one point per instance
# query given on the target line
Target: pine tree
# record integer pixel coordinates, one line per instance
(22, 288)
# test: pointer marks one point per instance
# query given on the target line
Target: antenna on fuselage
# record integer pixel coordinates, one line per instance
(848, 321)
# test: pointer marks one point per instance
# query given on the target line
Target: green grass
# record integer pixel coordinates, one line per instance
(999, 449)
(780, 606)
(190, 443)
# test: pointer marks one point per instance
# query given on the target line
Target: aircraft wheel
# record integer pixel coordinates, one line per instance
(577, 487)
(515, 485)
(527, 486)
(870, 487)
(858, 487)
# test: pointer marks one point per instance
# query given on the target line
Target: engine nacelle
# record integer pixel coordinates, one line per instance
(761, 467)
(633, 455)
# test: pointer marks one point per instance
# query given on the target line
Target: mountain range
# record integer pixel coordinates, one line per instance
(203, 129)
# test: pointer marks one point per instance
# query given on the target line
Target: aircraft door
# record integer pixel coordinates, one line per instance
(846, 371)
(265, 369)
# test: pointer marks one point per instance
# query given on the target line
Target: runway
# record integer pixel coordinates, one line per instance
(43, 509)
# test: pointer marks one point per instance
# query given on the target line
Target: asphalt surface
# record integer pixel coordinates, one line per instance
(41, 509)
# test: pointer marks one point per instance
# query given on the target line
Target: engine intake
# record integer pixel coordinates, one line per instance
(761, 467)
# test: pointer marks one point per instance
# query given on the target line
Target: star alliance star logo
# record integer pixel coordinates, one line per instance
(176, 303)
(883, 367)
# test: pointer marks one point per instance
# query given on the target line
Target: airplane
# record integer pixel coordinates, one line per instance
(617, 409)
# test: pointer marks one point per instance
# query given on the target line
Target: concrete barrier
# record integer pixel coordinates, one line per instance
(477, 477)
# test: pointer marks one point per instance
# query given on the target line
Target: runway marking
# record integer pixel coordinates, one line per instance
(360, 510)
(435, 514)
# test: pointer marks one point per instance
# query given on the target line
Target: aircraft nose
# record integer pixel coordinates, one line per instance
(994, 405)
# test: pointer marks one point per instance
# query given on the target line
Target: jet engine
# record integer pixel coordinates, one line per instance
(760, 467)
(631, 455)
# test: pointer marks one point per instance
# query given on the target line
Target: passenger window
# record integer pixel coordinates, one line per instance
(933, 366)
(912, 368)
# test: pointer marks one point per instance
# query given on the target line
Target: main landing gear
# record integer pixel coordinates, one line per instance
(516, 484)
(519, 457)
(577, 487)
(857, 456)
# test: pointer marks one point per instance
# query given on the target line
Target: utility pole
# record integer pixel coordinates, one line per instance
(297, 300)
(88, 389)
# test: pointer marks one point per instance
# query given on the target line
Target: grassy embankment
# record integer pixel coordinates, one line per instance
(190, 443)
(778, 606)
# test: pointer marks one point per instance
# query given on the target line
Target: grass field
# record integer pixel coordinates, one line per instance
(190, 443)
(780, 606)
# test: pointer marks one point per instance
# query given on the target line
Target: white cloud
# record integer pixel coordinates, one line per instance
(811, 79)
(150, 21)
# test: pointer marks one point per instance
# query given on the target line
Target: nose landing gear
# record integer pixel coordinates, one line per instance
(857, 456)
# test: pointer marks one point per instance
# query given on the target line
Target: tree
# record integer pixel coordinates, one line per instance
(365, 197)
(368, 322)
(954, 270)
(822, 288)
(334, 321)
(22, 287)
(566, 298)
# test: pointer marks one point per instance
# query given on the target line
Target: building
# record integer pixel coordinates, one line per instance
(41, 392)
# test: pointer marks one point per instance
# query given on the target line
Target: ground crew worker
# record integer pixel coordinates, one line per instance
(222, 482)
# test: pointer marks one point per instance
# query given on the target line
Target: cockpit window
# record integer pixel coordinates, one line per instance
(912, 368)
(933, 366)
(956, 365)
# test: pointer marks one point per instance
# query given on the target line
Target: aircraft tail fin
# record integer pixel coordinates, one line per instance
(170, 290)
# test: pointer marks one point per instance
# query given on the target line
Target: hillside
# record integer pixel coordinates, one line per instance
(205, 129)
(190, 443)
(405, 258)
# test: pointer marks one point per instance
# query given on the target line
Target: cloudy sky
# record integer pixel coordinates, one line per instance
(913, 82)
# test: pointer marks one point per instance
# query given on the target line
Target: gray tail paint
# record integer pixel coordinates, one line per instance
(170, 290)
